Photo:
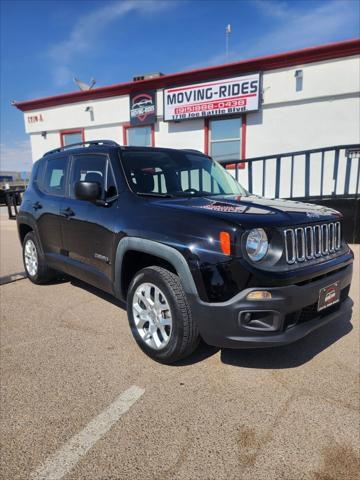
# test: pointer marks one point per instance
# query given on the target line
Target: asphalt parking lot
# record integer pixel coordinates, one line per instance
(79, 400)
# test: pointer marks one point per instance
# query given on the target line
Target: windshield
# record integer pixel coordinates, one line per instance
(177, 173)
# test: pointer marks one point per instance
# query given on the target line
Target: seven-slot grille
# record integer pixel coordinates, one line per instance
(312, 241)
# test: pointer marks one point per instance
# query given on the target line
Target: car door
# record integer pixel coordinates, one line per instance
(51, 192)
(87, 228)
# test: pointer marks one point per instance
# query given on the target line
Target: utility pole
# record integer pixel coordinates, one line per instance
(227, 39)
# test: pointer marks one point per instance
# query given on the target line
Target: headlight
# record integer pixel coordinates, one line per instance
(257, 244)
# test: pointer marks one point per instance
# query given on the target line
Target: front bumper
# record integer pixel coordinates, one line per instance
(292, 310)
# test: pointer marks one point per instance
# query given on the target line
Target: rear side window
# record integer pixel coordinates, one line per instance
(55, 175)
(36, 172)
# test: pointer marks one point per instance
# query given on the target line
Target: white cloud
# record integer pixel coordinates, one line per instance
(297, 29)
(62, 74)
(87, 29)
(273, 8)
(16, 157)
(294, 28)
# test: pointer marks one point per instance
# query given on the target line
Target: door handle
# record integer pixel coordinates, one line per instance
(36, 205)
(68, 212)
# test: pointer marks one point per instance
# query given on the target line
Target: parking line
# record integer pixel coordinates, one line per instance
(65, 459)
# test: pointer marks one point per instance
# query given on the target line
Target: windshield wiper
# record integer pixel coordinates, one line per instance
(153, 194)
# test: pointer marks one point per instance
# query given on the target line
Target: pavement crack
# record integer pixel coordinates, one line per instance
(252, 443)
(184, 451)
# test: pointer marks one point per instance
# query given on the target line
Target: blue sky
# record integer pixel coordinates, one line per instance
(44, 44)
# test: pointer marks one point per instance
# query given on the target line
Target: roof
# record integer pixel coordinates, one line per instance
(101, 145)
(269, 62)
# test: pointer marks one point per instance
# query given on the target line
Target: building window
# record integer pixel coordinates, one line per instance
(225, 139)
(71, 136)
(139, 136)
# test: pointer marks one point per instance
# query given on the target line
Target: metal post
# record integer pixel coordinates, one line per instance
(307, 174)
(227, 38)
(250, 182)
(336, 170)
(277, 181)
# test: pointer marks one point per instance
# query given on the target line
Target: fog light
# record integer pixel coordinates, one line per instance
(258, 295)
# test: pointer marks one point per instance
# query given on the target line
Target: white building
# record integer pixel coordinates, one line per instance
(294, 101)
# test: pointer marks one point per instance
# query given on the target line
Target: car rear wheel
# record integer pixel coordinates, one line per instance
(160, 317)
(35, 266)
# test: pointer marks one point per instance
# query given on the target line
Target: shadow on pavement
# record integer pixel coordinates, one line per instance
(288, 356)
(95, 291)
(294, 354)
(203, 352)
(13, 277)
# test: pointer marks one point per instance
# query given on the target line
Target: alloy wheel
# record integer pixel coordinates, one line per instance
(31, 258)
(152, 315)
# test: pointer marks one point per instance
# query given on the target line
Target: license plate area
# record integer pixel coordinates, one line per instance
(328, 296)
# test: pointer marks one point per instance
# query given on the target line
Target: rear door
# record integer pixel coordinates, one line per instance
(87, 229)
(48, 205)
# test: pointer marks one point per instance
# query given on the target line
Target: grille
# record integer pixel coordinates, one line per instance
(312, 241)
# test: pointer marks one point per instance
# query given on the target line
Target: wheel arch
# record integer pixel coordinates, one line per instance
(26, 224)
(24, 229)
(143, 250)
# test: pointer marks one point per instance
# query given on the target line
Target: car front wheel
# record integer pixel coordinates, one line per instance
(159, 315)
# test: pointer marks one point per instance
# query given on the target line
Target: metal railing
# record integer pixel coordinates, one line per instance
(318, 173)
(12, 200)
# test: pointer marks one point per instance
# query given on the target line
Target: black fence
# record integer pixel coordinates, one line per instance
(12, 199)
(328, 176)
(319, 173)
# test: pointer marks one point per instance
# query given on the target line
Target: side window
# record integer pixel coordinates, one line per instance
(36, 172)
(55, 175)
(93, 168)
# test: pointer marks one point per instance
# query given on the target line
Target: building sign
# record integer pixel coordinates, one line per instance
(220, 97)
(143, 108)
(35, 118)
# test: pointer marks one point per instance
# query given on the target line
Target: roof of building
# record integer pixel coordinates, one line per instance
(269, 62)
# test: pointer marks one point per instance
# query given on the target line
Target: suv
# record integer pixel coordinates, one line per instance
(193, 254)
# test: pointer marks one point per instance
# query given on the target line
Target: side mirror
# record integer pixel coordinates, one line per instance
(90, 191)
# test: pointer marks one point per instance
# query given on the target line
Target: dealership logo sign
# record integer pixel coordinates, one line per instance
(142, 108)
(220, 97)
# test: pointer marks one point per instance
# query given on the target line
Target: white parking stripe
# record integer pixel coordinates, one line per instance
(65, 459)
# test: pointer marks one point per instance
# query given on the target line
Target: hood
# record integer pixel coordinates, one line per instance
(253, 209)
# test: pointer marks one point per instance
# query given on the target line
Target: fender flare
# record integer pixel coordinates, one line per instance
(157, 249)
(30, 222)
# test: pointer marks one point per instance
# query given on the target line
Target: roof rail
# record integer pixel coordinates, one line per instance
(90, 142)
(192, 150)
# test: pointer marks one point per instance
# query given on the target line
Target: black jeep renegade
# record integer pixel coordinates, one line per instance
(193, 254)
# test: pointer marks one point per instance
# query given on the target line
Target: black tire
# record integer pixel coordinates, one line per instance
(184, 336)
(43, 273)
